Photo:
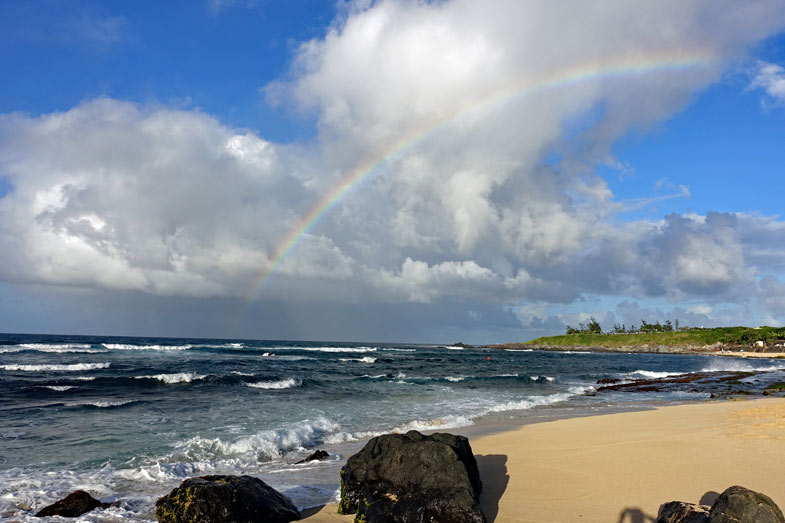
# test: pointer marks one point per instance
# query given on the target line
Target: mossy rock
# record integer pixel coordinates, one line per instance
(218, 499)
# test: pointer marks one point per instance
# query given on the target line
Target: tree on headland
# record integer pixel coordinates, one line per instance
(592, 327)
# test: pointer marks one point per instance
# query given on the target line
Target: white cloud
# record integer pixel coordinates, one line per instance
(457, 104)
(771, 79)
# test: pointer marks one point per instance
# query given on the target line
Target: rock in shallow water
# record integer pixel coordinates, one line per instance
(72, 506)
(316, 456)
(412, 478)
(220, 499)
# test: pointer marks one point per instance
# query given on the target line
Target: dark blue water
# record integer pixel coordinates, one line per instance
(129, 418)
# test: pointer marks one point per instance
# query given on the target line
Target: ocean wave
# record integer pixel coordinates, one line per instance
(453, 347)
(652, 374)
(390, 349)
(542, 378)
(288, 383)
(737, 365)
(519, 350)
(334, 349)
(365, 359)
(239, 373)
(539, 401)
(455, 378)
(447, 422)
(125, 346)
(73, 367)
(263, 446)
(51, 347)
(171, 379)
(58, 388)
(101, 404)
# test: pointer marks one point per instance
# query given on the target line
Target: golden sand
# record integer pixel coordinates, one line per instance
(619, 468)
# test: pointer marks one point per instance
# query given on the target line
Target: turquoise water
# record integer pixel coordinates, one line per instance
(129, 418)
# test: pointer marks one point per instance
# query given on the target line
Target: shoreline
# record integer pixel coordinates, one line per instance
(622, 466)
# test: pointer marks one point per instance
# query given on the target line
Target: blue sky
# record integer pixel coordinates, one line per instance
(154, 155)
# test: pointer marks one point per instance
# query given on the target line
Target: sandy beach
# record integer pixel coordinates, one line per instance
(622, 467)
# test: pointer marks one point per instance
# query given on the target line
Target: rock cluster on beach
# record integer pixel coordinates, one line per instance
(735, 505)
(413, 478)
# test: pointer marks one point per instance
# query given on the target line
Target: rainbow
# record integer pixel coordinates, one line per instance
(626, 66)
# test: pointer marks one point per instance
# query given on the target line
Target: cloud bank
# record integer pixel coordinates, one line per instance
(486, 123)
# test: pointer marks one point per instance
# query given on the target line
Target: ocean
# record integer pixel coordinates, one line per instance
(129, 418)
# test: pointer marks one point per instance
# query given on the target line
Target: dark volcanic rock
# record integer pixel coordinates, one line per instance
(72, 506)
(681, 512)
(412, 478)
(742, 505)
(316, 456)
(608, 381)
(220, 499)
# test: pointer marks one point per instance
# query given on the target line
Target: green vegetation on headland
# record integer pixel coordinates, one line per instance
(660, 338)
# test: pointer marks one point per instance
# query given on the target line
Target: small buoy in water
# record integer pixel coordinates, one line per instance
(487, 358)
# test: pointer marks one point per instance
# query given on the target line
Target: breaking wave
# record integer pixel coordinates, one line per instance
(288, 383)
(365, 359)
(652, 374)
(73, 367)
(178, 377)
(125, 346)
(539, 401)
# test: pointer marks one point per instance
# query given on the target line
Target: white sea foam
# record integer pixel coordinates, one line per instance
(125, 346)
(364, 359)
(59, 388)
(178, 377)
(73, 367)
(51, 347)
(447, 422)
(263, 446)
(238, 373)
(519, 350)
(538, 401)
(453, 347)
(455, 378)
(101, 404)
(399, 350)
(290, 357)
(277, 385)
(652, 374)
(542, 378)
(335, 349)
(737, 365)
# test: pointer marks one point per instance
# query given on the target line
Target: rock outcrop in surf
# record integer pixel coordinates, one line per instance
(72, 506)
(217, 499)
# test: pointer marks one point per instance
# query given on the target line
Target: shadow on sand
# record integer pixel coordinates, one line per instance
(493, 473)
(635, 515)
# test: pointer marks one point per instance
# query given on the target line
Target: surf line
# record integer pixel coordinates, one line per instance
(628, 66)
